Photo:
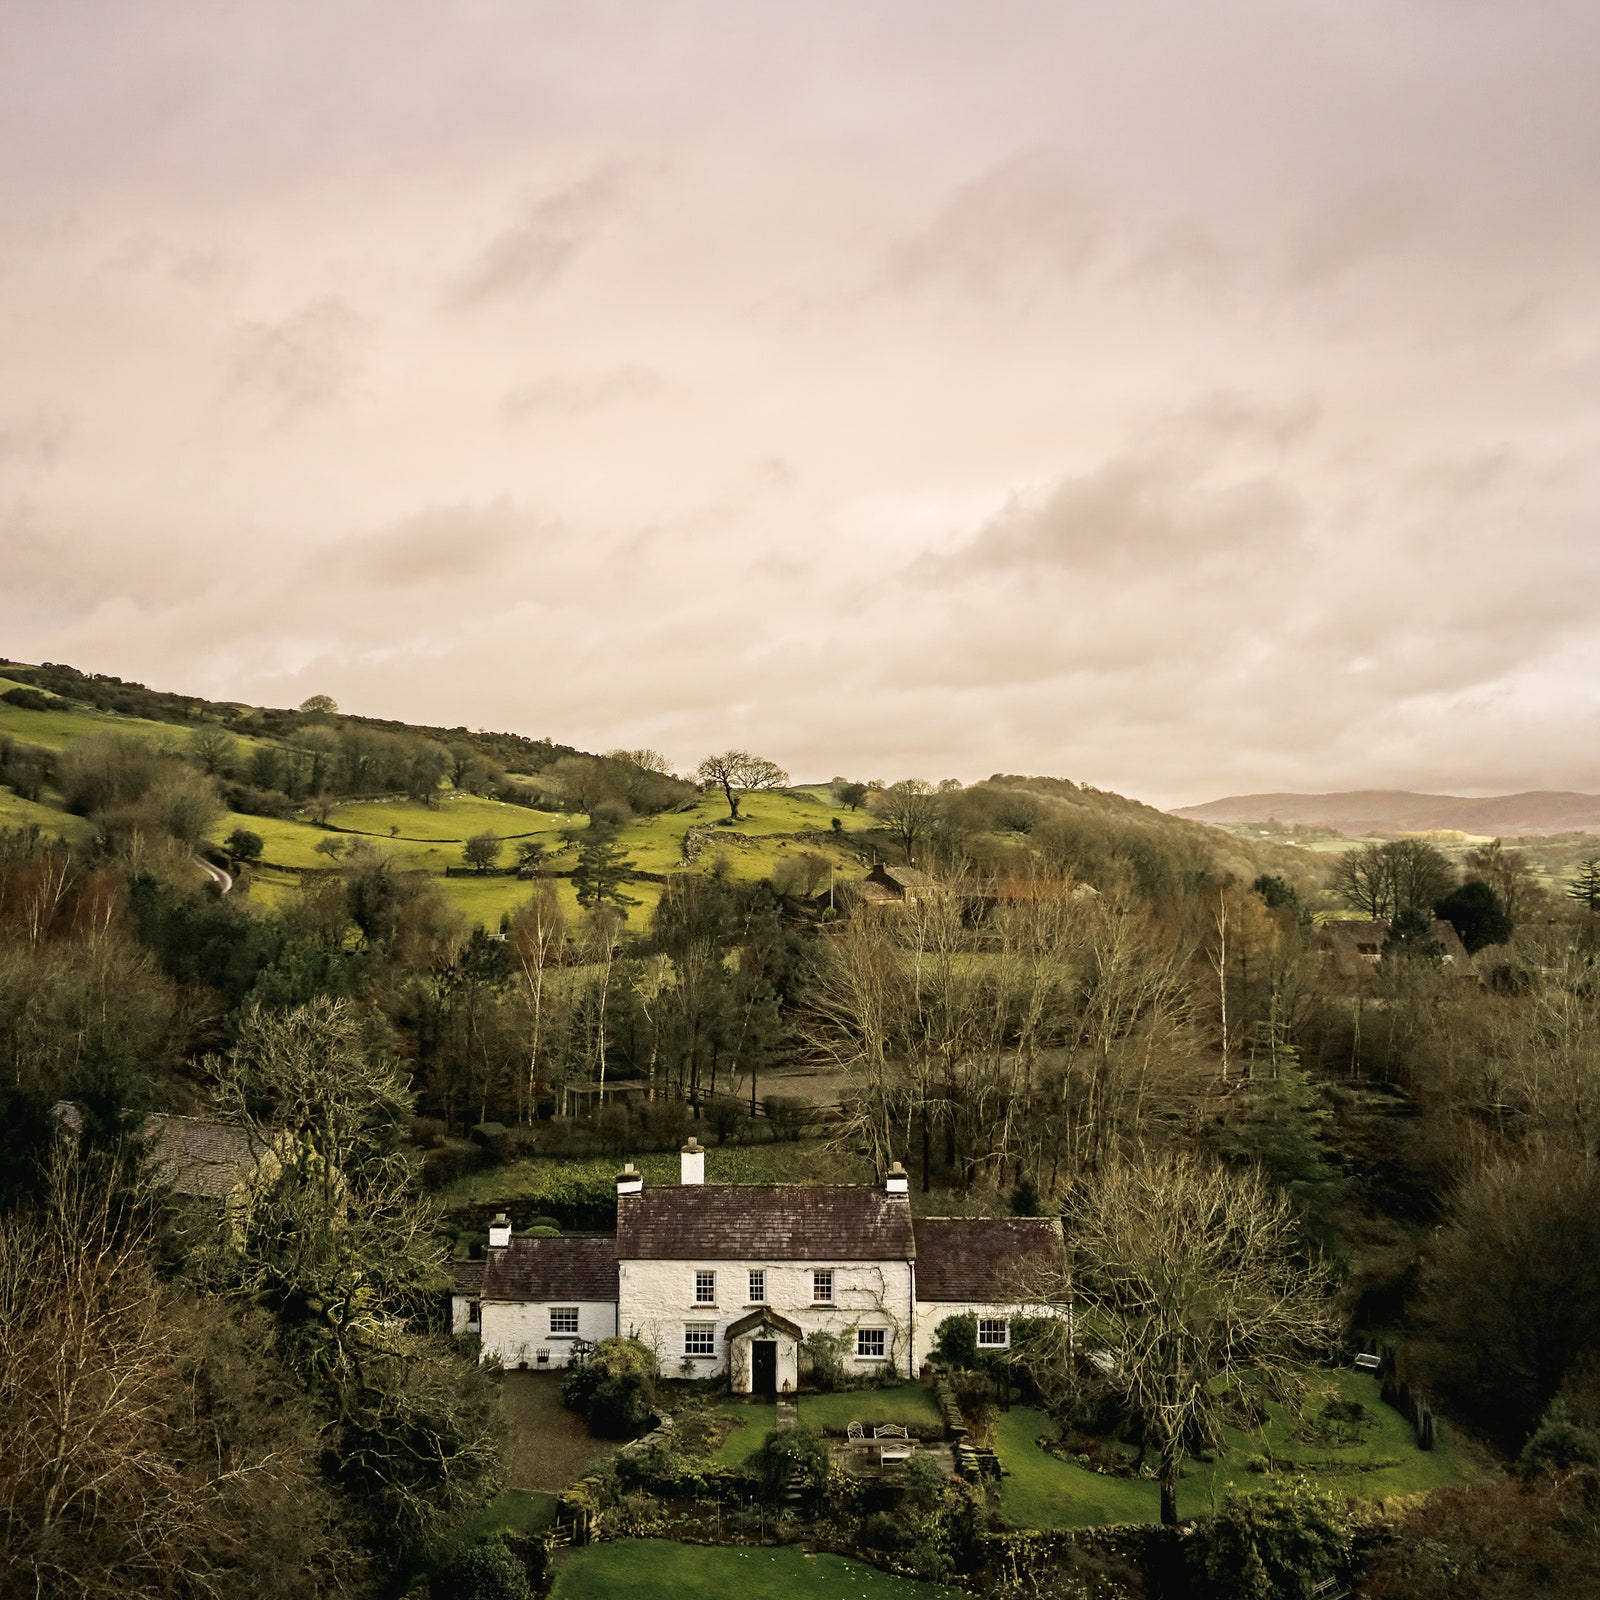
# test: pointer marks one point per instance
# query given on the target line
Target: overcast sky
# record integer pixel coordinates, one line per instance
(1182, 398)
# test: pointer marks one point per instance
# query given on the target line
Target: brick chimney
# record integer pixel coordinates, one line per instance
(629, 1181)
(692, 1159)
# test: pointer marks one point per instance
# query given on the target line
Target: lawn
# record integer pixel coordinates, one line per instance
(660, 1569)
(910, 1403)
(55, 730)
(513, 1511)
(1042, 1491)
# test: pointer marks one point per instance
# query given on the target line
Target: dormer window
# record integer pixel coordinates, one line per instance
(822, 1286)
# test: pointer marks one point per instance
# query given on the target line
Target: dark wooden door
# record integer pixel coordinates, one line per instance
(764, 1366)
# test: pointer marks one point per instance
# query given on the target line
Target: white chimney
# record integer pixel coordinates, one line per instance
(898, 1184)
(500, 1232)
(693, 1161)
(629, 1180)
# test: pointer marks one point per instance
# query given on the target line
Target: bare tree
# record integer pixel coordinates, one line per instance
(1363, 882)
(537, 932)
(737, 771)
(1506, 872)
(909, 809)
(212, 749)
(1191, 1277)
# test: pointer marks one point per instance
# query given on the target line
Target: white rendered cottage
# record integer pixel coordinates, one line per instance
(734, 1277)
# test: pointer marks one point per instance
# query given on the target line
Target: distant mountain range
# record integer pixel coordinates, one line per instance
(1361, 811)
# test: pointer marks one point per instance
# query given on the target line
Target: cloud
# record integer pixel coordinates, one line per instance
(1029, 221)
(302, 362)
(1138, 515)
(548, 233)
(575, 394)
(441, 545)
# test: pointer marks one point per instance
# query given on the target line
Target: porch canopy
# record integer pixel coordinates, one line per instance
(764, 1354)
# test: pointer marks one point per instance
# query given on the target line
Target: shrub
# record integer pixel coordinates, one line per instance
(788, 1115)
(486, 1571)
(793, 1457)
(825, 1352)
(1558, 1444)
(955, 1341)
(1270, 1544)
(615, 1389)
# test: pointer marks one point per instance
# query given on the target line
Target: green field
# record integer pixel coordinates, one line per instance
(660, 1569)
(16, 812)
(1042, 1491)
(513, 1511)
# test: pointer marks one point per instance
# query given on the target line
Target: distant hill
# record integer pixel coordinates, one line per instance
(1358, 811)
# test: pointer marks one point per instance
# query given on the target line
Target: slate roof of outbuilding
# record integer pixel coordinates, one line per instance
(466, 1277)
(909, 877)
(763, 1222)
(568, 1266)
(199, 1157)
(979, 1259)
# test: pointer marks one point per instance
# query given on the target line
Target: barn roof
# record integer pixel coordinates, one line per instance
(979, 1259)
(568, 1266)
(758, 1221)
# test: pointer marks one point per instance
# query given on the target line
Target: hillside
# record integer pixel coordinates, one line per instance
(1357, 811)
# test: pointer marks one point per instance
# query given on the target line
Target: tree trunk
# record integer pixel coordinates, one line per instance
(1170, 1455)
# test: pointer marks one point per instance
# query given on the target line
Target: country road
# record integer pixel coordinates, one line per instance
(222, 879)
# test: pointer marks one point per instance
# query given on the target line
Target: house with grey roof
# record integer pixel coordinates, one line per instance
(733, 1278)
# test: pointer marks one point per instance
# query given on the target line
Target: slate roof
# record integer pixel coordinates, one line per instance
(1355, 947)
(568, 1266)
(197, 1157)
(906, 877)
(466, 1277)
(979, 1259)
(763, 1221)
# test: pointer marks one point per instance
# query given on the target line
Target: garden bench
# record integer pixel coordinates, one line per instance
(894, 1443)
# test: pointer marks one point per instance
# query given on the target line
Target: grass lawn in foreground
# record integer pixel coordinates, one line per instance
(660, 1569)
(1042, 1491)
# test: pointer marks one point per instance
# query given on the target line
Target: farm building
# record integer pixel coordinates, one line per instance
(734, 1278)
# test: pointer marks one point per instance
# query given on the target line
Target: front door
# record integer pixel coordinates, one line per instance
(763, 1366)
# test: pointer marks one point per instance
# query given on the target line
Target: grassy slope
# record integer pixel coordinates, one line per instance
(1042, 1491)
(800, 1161)
(659, 1569)
(18, 813)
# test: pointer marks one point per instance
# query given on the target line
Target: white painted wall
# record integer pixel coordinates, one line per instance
(930, 1313)
(657, 1299)
(517, 1332)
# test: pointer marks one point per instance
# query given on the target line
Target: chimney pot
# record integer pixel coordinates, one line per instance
(692, 1162)
(897, 1184)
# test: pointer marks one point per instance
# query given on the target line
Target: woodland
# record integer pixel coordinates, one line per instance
(1262, 1160)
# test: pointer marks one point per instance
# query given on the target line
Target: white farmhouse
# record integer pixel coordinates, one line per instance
(734, 1278)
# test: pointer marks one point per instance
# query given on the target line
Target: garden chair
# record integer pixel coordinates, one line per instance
(855, 1433)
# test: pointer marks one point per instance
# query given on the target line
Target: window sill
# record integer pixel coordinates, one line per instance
(700, 1305)
(872, 1358)
(558, 1337)
(696, 1355)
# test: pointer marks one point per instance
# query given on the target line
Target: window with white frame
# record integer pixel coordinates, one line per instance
(564, 1319)
(758, 1286)
(700, 1338)
(871, 1344)
(994, 1333)
(705, 1288)
(822, 1286)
